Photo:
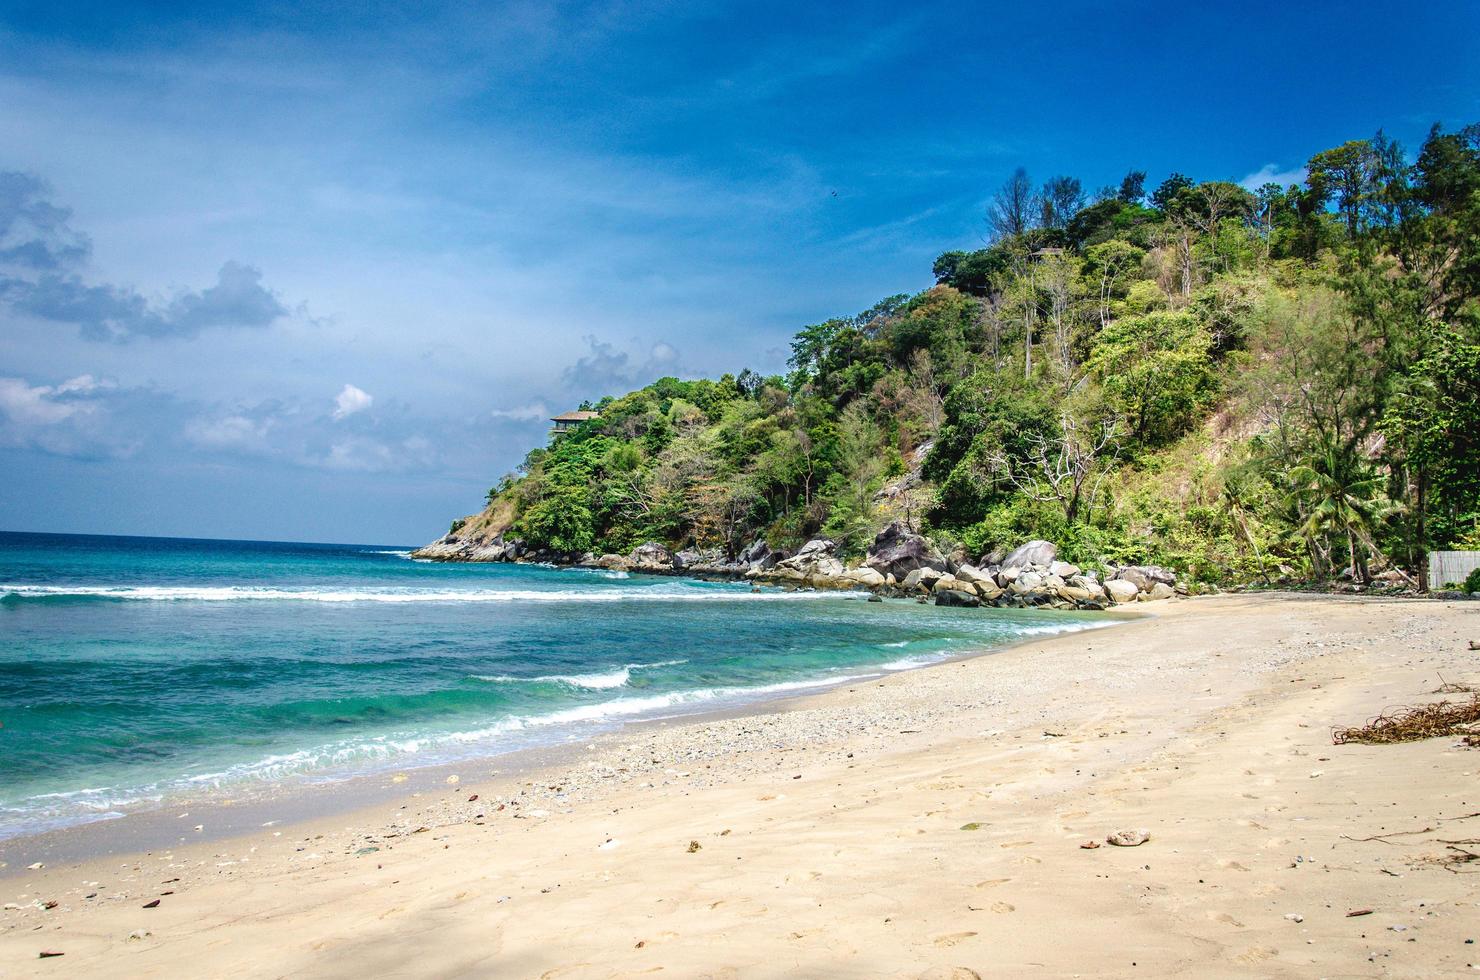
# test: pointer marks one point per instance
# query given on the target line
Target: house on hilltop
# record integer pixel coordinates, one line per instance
(567, 421)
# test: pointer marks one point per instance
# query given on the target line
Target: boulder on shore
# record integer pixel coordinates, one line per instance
(1122, 591)
(1145, 576)
(1032, 553)
(651, 555)
(921, 578)
(954, 597)
(899, 551)
(759, 555)
(866, 577)
(1158, 590)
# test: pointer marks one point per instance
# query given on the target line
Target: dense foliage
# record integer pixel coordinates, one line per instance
(1243, 384)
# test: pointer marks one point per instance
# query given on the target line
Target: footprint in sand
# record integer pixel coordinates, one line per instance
(1003, 907)
(950, 973)
(992, 882)
(1231, 865)
(1018, 843)
(1255, 954)
(1225, 918)
(951, 939)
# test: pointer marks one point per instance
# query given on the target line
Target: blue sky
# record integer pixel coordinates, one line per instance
(320, 271)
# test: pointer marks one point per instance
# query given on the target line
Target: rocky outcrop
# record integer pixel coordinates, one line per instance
(455, 548)
(898, 551)
(900, 562)
(815, 564)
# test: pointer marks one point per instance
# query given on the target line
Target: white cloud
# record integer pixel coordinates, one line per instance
(1271, 173)
(231, 432)
(28, 404)
(523, 413)
(351, 400)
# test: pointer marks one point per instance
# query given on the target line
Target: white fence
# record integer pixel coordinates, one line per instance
(1451, 566)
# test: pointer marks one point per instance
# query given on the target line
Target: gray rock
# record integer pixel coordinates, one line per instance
(1032, 553)
(1063, 569)
(1121, 590)
(1026, 582)
(1128, 838)
(651, 555)
(1145, 575)
(954, 597)
(817, 547)
(865, 576)
(921, 578)
(898, 551)
(1159, 590)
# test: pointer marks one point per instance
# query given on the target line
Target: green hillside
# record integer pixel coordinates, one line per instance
(1247, 386)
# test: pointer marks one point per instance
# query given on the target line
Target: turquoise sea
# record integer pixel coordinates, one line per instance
(134, 671)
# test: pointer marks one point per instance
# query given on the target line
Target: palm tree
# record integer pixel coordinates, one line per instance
(1340, 495)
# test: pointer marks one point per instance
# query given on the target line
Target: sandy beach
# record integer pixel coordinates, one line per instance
(928, 824)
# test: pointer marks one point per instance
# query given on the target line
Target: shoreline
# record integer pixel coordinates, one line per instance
(929, 820)
(227, 816)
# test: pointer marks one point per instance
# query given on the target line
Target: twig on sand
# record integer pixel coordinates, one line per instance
(1383, 838)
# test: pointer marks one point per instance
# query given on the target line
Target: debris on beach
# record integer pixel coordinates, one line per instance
(1089, 845)
(47, 954)
(695, 846)
(1421, 722)
(152, 905)
(1128, 838)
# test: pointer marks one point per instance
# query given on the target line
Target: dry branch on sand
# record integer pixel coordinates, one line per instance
(1412, 724)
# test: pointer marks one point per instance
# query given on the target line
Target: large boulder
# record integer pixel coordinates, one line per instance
(1144, 576)
(970, 573)
(954, 597)
(949, 583)
(1159, 590)
(898, 551)
(921, 578)
(616, 563)
(1063, 569)
(815, 562)
(1026, 582)
(867, 577)
(817, 547)
(651, 555)
(1122, 591)
(987, 589)
(1032, 553)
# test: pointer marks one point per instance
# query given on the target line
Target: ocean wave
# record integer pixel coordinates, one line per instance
(232, 593)
(369, 755)
(910, 663)
(595, 681)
